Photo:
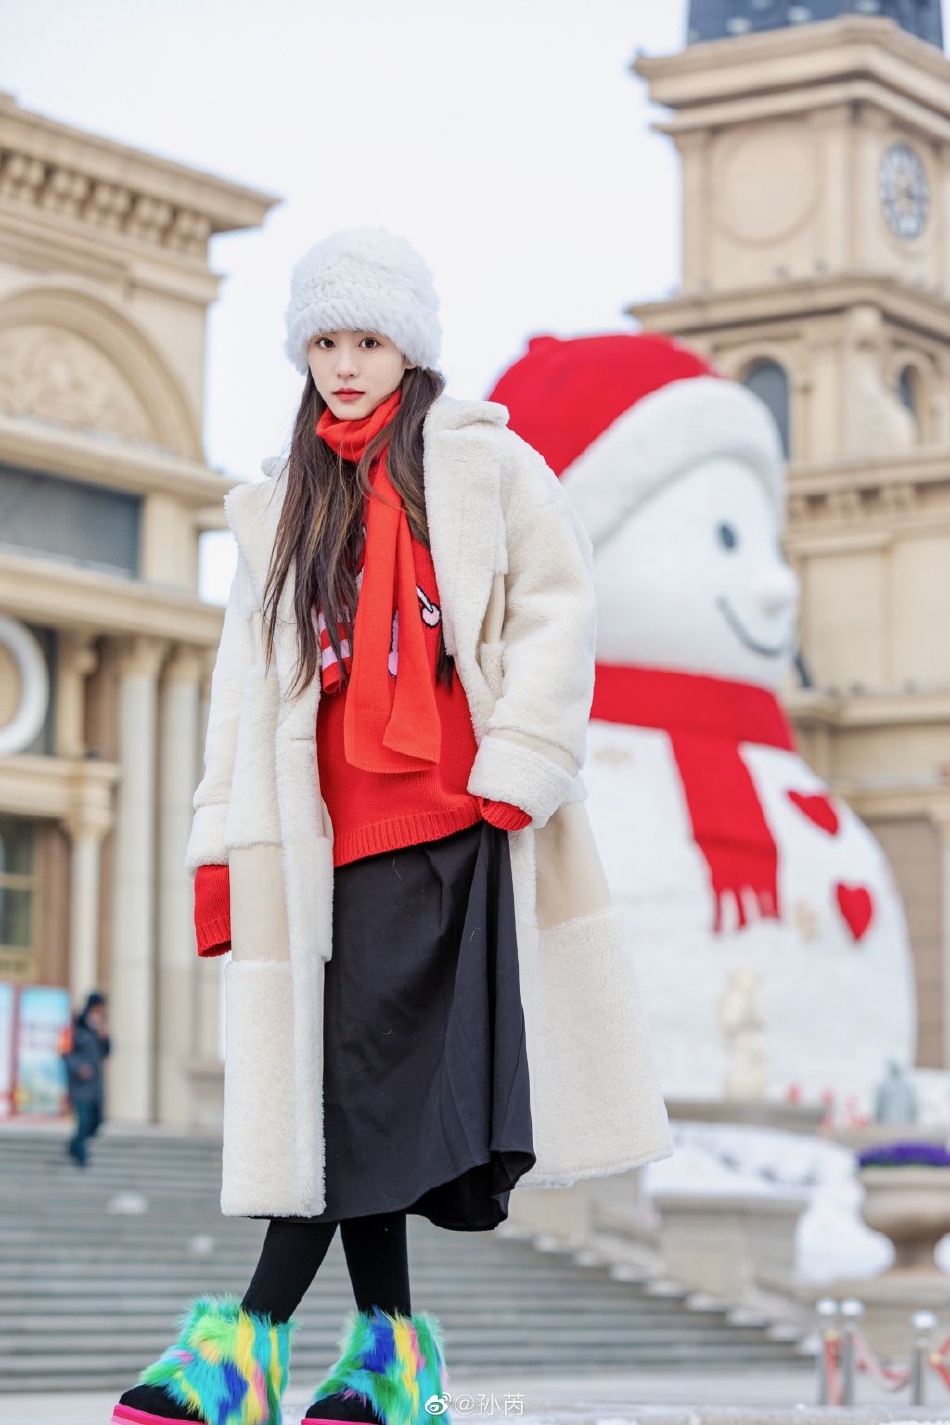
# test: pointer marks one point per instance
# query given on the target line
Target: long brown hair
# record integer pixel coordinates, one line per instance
(319, 534)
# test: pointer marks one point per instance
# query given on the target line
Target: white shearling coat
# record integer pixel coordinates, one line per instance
(513, 565)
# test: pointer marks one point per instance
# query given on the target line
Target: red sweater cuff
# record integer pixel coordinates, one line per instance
(504, 815)
(212, 910)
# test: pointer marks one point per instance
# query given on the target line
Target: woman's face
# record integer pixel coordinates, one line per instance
(362, 362)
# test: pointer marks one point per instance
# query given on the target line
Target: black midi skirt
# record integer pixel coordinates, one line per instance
(426, 1092)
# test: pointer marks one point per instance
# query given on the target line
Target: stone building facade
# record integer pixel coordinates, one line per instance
(105, 646)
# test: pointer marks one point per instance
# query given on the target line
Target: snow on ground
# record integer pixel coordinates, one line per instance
(832, 1241)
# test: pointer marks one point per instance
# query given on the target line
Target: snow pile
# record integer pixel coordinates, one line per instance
(832, 1241)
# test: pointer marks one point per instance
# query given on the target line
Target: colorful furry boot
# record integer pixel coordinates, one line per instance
(390, 1364)
(228, 1367)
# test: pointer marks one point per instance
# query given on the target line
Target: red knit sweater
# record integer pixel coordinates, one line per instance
(372, 812)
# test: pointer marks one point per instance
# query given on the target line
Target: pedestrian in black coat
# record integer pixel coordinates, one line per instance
(90, 1045)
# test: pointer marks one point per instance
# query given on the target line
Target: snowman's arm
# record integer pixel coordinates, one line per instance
(536, 738)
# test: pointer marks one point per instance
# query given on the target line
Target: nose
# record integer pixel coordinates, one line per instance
(346, 363)
(776, 589)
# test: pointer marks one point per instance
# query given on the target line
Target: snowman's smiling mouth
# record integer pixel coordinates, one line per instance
(735, 623)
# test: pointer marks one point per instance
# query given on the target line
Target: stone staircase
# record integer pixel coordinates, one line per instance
(96, 1266)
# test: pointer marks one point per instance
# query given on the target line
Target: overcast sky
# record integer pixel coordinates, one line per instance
(506, 139)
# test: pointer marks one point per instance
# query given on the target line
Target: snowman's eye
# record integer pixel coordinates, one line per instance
(728, 536)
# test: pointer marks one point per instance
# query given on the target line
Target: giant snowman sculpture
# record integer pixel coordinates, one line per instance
(769, 936)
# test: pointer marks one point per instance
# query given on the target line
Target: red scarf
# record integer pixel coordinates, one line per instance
(707, 719)
(391, 723)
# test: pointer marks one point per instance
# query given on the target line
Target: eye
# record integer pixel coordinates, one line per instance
(728, 536)
(319, 340)
(370, 338)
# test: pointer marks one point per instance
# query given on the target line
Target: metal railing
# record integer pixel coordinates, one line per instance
(844, 1354)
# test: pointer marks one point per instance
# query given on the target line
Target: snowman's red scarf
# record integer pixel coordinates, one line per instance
(707, 720)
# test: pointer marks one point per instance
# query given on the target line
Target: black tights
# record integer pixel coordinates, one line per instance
(376, 1258)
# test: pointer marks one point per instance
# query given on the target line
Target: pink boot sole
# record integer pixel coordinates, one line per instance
(128, 1415)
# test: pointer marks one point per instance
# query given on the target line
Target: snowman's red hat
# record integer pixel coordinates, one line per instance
(620, 415)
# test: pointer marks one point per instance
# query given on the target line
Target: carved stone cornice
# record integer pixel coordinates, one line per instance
(55, 169)
(802, 102)
(805, 58)
(818, 707)
(76, 792)
(60, 595)
(871, 498)
(794, 301)
(874, 798)
(82, 455)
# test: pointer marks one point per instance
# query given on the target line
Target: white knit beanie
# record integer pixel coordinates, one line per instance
(364, 279)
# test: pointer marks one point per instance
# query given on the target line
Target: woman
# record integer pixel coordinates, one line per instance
(428, 999)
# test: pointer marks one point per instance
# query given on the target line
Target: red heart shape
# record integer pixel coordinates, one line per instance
(818, 809)
(857, 907)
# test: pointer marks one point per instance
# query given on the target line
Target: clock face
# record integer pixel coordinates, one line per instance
(904, 191)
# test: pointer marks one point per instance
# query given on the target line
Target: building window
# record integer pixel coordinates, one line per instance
(68, 519)
(909, 390)
(769, 381)
(19, 898)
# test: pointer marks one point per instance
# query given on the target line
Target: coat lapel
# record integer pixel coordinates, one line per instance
(464, 512)
(461, 478)
(253, 512)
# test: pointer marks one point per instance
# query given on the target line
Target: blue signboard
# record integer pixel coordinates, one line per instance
(43, 1017)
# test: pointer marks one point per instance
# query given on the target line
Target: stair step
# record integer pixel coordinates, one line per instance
(88, 1295)
(123, 1365)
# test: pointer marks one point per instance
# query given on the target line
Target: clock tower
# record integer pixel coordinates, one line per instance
(816, 216)
(814, 141)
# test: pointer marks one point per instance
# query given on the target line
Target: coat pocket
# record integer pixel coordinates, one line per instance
(258, 904)
(596, 1097)
(252, 810)
(571, 881)
(596, 1102)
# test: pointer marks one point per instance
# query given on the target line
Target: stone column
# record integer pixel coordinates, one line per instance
(91, 816)
(75, 659)
(177, 956)
(86, 836)
(131, 1070)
